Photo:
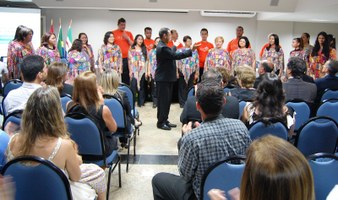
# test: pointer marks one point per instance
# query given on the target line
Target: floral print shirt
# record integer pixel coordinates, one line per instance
(17, 51)
(218, 58)
(110, 57)
(137, 64)
(317, 63)
(188, 65)
(48, 55)
(243, 56)
(78, 62)
(152, 62)
(277, 58)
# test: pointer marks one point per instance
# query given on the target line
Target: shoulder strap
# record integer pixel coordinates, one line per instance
(55, 150)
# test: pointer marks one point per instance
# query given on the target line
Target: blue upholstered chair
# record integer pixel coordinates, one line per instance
(329, 108)
(89, 138)
(329, 94)
(276, 128)
(223, 175)
(39, 181)
(302, 110)
(324, 169)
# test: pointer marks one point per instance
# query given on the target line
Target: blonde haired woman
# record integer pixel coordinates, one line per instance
(218, 56)
(88, 99)
(246, 77)
(47, 137)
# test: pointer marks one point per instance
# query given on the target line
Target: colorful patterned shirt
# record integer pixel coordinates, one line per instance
(152, 62)
(78, 62)
(48, 55)
(218, 58)
(188, 65)
(137, 64)
(92, 58)
(17, 51)
(110, 57)
(277, 58)
(298, 53)
(317, 63)
(243, 56)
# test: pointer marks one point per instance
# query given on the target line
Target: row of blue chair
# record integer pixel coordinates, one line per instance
(225, 175)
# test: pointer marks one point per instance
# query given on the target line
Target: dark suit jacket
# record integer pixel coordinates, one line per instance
(190, 113)
(166, 66)
(327, 82)
(296, 88)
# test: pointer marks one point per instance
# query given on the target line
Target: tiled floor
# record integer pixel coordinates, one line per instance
(156, 152)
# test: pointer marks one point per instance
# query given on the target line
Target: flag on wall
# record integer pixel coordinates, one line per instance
(60, 44)
(69, 39)
(51, 29)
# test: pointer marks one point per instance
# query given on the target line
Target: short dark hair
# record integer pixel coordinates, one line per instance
(204, 29)
(163, 31)
(106, 37)
(185, 38)
(121, 20)
(332, 67)
(296, 65)
(247, 42)
(241, 27)
(31, 66)
(147, 28)
(210, 96)
(266, 67)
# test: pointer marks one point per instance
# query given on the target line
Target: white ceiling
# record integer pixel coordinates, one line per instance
(287, 10)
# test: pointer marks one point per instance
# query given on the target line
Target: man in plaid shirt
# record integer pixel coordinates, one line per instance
(214, 139)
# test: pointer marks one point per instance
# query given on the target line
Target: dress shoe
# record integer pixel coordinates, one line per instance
(164, 127)
(171, 125)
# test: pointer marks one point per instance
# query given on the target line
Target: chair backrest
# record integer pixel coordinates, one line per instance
(329, 94)
(64, 100)
(116, 108)
(226, 90)
(318, 134)
(329, 108)
(276, 128)
(242, 105)
(191, 92)
(324, 173)
(4, 139)
(302, 110)
(130, 95)
(222, 175)
(11, 85)
(14, 117)
(38, 182)
(84, 131)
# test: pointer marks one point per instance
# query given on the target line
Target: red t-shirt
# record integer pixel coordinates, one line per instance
(203, 51)
(149, 44)
(262, 50)
(171, 44)
(121, 42)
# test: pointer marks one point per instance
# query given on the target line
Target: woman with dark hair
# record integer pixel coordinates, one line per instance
(48, 50)
(151, 68)
(307, 47)
(57, 76)
(320, 54)
(110, 56)
(20, 47)
(274, 53)
(78, 60)
(269, 103)
(88, 49)
(297, 44)
(243, 55)
(137, 67)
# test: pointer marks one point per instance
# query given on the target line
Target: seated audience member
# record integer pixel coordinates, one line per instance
(246, 79)
(88, 99)
(295, 87)
(225, 76)
(45, 135)
(264, 67)
(109, 81)
(230, 109)
(304, 75)
(285, 175)
(33, 72)
(214, 139)
(57, 76)
(3, 73)
(269, 103)
(330, 81)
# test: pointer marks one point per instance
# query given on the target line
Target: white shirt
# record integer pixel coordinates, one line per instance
(3, 68)
(17, 98)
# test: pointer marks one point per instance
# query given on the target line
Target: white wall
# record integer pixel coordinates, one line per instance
(96, 22)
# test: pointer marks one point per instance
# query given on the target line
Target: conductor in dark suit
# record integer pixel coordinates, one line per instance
(165, 77)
